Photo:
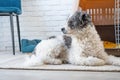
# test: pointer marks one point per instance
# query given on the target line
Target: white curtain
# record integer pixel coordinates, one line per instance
(75, 6)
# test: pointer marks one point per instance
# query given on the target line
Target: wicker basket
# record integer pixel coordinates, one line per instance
(105, 15)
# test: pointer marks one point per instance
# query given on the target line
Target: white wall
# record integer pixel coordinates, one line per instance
(39, 19)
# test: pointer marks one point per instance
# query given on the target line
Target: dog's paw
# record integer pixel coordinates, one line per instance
(93, 61)
(112, 60)
(57, 61)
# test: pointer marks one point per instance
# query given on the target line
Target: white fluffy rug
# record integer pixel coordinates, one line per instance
(15, 62)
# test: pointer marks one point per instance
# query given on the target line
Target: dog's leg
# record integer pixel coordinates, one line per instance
(112, 60)
(94, 61)
(88, 61)
(53, 61)
(109, 59)
(32, 61)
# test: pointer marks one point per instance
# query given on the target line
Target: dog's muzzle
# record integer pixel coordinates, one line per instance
(63, 30)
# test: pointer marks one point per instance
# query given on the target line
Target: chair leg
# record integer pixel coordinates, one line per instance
(18, 31)
(12, 32)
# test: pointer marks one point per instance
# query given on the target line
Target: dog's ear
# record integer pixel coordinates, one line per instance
(86, 17)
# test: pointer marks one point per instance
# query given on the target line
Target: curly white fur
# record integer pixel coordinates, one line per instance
(48, 52)
(87, 49)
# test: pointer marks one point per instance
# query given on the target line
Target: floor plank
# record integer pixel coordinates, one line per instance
(56, 75)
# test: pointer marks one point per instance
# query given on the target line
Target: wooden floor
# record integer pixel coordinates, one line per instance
(56, 75)
(7, 74)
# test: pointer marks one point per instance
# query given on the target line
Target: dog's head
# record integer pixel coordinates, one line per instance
(76, 22)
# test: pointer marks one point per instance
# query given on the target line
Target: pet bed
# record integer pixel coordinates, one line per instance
(28, 45)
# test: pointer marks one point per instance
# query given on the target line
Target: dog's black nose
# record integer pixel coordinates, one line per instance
(62, 29)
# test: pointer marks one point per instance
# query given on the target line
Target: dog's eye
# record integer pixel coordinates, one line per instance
(70, 22)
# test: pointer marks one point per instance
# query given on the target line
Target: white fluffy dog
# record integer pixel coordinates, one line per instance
(83, 48)
(51, 51)
(86, 47)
